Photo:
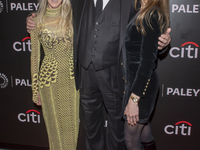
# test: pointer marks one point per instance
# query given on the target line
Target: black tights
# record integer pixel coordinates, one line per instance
(136, 134)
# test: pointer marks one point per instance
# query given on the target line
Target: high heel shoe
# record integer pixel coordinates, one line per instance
(149, 146)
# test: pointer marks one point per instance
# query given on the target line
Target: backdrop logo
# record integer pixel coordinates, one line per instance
(187, 50)
(1, 6)
(185, 8)
(3, 80)
(182, 92)
(30, 116)
(22, 82)
(24, 45)
(180, 128)
(24, 6)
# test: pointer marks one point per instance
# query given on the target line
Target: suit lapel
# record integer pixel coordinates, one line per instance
(125, 15)
(78, 11)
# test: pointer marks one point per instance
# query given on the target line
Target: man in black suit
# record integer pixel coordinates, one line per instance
(99, 30)
(98, 42)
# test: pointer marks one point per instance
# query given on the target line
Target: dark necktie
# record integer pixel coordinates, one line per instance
(99, 7)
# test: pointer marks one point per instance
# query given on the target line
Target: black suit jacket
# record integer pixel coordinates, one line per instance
(127, 11)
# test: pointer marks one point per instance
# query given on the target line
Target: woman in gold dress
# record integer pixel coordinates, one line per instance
(53, 84)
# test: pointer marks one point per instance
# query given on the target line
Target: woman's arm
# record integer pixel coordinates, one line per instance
(148, 57)
(35, 61)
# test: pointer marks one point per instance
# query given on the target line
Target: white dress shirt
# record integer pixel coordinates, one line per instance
(105, 2)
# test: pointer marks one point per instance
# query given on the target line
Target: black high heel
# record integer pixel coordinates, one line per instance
(149, 145)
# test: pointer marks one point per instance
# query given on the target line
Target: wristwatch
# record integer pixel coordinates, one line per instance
(134, 99)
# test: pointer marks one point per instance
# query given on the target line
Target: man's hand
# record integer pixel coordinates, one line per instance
(30, 25)
(164, 39)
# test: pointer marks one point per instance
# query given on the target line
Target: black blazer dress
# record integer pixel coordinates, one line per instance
(139, 55)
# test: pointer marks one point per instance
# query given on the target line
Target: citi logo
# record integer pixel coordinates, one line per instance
(185, 8)
(3, 81)
(24, 45)
(24, 6)
(180, 128)
(30, 116)
(188, 50)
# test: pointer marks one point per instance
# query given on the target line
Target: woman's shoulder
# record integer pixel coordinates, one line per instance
(154, 12)
(152, 17)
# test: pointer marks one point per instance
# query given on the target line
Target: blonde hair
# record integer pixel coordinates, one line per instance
(162, 8)
(65, 20)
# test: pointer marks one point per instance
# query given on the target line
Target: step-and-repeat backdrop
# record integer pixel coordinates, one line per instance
(175, 123)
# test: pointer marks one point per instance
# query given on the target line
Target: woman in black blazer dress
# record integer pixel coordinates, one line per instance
(139, 63)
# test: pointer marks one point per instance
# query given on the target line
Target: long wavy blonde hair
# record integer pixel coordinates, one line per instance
(65, 20)
(162, 8)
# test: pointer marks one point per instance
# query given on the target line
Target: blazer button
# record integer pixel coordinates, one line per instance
(149, 80)
(143, 93)
(147, 83)
(124, 92)
(121, 64)
(146, 86)
(96, 30)
(95, 36)
(93, 49)
(97, 23)
(145, 89)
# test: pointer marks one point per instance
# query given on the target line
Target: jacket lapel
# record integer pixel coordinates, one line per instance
(78, 11)
(125, 16)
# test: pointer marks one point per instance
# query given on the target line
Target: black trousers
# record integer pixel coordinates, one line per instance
(98, 89)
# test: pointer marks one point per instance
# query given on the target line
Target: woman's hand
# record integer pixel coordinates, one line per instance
(132, 111)
(30, 25)
(39, 100)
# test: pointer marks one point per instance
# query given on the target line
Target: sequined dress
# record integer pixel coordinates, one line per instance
(54, 81)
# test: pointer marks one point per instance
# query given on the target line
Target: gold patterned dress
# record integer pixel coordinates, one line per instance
(54, 81)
